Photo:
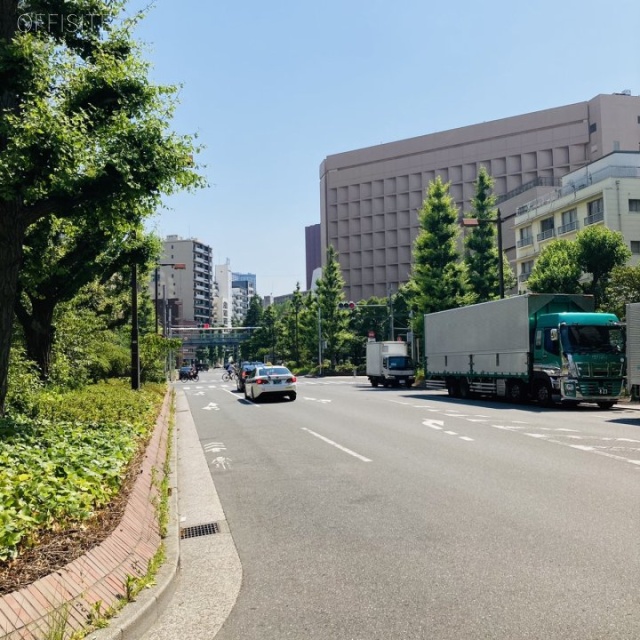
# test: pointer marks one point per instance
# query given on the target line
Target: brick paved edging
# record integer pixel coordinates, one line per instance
(101, 574)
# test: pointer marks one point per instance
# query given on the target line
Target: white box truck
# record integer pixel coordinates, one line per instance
(389, 364)
(542, 346)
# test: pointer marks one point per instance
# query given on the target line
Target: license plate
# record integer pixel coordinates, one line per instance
(276, 381)
(603, 391)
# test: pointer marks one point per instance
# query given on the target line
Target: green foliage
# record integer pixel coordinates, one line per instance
(437, 279)
(599, 251)
(24, 383)
(556, 270)
(481, 255)
(333, 321)
(623, 288)
(59, 468)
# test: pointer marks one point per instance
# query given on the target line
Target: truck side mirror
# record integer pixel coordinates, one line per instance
(554, 335)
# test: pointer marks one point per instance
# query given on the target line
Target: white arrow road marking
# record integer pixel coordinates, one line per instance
(212, 406)
(434, 424)
(338, 446)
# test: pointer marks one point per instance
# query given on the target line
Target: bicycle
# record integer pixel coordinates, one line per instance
(226, 376)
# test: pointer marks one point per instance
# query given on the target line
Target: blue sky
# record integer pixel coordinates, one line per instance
(272, 88)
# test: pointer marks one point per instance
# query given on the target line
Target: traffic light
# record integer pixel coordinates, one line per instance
(347, 306)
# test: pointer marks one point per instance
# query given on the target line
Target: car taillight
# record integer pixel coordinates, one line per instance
(261, 381)
(292, 379)
(244, 374)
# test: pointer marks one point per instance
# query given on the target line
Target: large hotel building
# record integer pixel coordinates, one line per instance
(370, 197)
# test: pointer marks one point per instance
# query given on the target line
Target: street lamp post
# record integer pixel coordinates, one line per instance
(135, 348)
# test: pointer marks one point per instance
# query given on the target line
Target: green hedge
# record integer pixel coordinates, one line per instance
(59, 468)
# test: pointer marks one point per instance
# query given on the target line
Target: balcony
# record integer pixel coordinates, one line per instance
(545, 235)
(525, 242)
(566, 228)
(592, 219)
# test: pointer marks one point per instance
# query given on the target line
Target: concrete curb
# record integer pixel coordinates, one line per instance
(133, 620)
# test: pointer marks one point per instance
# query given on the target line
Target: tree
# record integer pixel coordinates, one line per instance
(437, 278)
(333, 321)
(622, 289)
(63, 256)
(83, 133)
(556, 270)
(599, 251)
(481, 255)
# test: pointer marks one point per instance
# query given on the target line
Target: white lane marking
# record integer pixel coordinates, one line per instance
(506, 427)
(476, 419)
(212, 406)
(338, 446)
(221, 462)
(537, 435)
(199, 393)
(434, 424)
(321, 400)
(466, 438)
(451, 433)
(456, 415)
(214, 447)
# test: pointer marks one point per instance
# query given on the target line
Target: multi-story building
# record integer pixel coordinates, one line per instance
(604, 192)
(187, 290)
(222, 299)
(313, 251)
(243, 287)
(370, 197)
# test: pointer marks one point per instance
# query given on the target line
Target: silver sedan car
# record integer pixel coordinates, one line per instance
(270, 381)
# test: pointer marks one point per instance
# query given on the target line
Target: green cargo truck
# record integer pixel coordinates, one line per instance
(546, 347)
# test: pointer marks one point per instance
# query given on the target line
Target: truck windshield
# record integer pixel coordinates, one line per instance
(591, 339)
(400, 362)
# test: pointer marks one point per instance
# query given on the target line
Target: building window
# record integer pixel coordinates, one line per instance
(634, 205)
(569, 221)
(525, 270)
(526, 237)
(635, 246)
(595, 208)
(546, 229)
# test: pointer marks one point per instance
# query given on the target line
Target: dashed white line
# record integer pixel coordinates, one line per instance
(338, 446)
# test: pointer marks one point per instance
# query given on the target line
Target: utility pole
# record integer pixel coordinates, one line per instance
(135, 347)
(500, 258)
(319, 340)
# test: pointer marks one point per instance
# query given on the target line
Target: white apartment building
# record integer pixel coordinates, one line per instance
(222, 298)
(369, 197)
(187, 290)
(604, 192)
(243, 289)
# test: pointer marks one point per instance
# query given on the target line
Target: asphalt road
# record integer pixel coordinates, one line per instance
(363, 514)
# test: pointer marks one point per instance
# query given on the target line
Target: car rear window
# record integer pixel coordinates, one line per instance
(277, 371)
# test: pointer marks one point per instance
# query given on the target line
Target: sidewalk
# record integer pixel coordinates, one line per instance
(195, 600)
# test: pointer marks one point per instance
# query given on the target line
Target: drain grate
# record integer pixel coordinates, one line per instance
(199, 530)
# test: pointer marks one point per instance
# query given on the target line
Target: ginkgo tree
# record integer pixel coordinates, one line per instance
(84, 134)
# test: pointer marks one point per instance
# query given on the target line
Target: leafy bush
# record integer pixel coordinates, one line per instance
(58, 468)
(24, 384)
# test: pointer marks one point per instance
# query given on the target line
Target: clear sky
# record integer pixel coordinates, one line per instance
(272, 88)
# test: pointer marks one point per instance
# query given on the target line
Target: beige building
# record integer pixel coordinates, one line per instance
(369, 197)
(190, 288)
(605, 192)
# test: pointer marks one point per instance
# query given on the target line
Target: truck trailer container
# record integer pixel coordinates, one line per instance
(633, 346)
(544, 347)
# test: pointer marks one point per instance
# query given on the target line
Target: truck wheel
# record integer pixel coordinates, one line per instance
(543, 394)
(515, 391)
(606, 405)
(452, 389)
(464, 390)
(374, 383)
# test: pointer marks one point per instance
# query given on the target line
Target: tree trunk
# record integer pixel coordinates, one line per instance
(12, 231)
(39, 332)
